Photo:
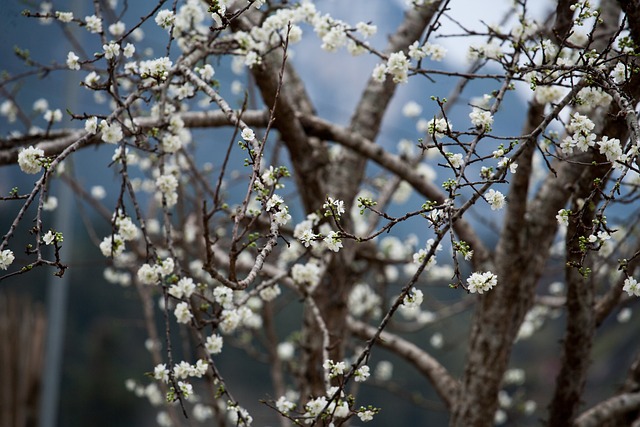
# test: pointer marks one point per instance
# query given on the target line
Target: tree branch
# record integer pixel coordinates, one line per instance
(612, 407)
(444, 384)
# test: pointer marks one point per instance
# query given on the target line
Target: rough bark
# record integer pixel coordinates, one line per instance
(342, 179)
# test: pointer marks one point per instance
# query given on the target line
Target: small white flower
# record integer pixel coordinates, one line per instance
(631, 287)
(481, 119)
(72, 61)
(270, 293)
(563, 217)
(41, 105)
(6, 258)
(495, 198)
(207, 72)
(53, 115)
(455, 160)
(362, 373)
(147, 275)
(411, 109)
(165, 19)
(91, 125)
(112, 246)
(333, 242)
(161, 373)
(167, 183)
(286, 350)
(213, 344)
(94, 24)
(182, 313)
(619, 73)
(365, 415)
(111, 50)
(413, 299)
(308, 274)
(166, 266)
(248, 135)
(50, 204)
(379, 73)
(398, 67)
(129, 50)
(98, 192)
(186, 389)
(111, 133)
(307, 238)
(624, 315)
(117, 29)
(436, 340)
(334, 369)
(285, 406)
(64, 16)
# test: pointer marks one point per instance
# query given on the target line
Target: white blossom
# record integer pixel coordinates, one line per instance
(270, 293)
(147, 275)
(631, 287)
(53, 115)
(411, 109)
(307, 274)
(398, 67)
(481, 282)
(64, 16)
(495, 199)
(94, 24)
(111, 133)
(117, 29)
(6, 258)
(285, 350)
(284, 405)
(111, 50)
(213, 344)
(161, 373)
(481, 119)
(91, 125)
(112, 246)
(362, 373)
(165, 19)
(182, 313)
(30, 159)
(129, 50)
(49, 237)
(72, 61)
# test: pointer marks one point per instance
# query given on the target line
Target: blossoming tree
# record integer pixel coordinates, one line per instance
(222, 233)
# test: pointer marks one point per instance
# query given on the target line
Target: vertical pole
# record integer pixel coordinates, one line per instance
(58, 286)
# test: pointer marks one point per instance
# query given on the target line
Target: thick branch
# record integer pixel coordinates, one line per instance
(56, 142)
(444, 384)
(326, 130)
(612, 407)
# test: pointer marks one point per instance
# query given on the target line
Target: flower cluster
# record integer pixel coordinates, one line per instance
(481, 282)
(279, 210)
(434, 51)
(31, 159)
(307, 274)
(397, 66)
(481, 119)
(151, 275)
(495, 199)
(364, 300)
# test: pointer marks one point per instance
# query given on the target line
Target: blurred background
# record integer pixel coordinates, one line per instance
(96, 337)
